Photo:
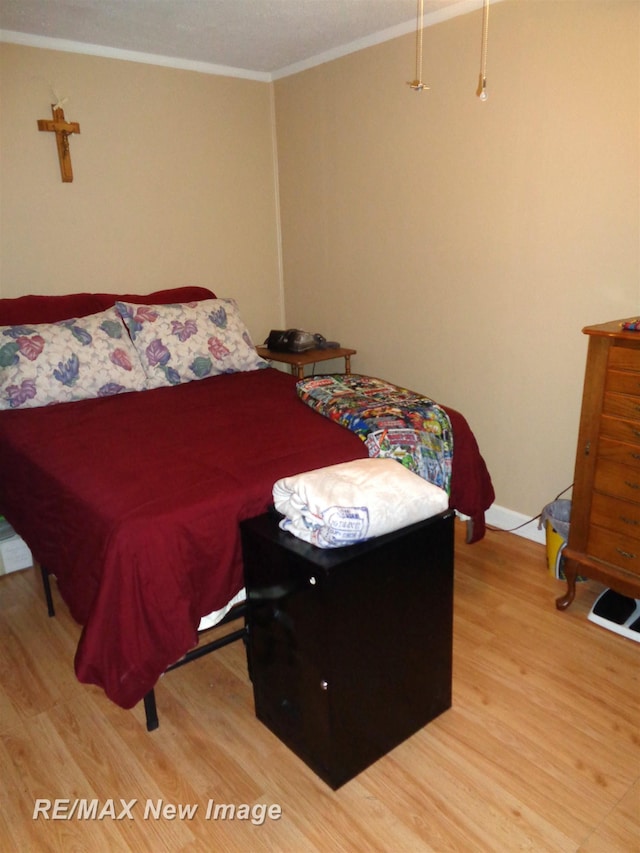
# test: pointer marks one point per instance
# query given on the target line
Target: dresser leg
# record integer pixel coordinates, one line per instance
(570, 571)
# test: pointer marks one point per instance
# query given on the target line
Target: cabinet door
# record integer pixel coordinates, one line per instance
(391, 642)
(287, 650)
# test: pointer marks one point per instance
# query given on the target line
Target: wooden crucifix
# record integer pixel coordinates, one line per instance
(63, 130)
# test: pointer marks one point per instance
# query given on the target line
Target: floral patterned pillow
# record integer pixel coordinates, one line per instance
(181, 342)
(67, 361)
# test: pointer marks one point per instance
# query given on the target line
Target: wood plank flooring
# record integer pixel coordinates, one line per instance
(540, 751)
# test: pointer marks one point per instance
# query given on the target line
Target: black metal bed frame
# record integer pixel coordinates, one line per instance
(150, 709)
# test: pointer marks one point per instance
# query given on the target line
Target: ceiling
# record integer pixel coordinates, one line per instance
(260, 38)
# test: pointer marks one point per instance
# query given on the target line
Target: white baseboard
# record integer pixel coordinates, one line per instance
(507, 519)
(14, 555)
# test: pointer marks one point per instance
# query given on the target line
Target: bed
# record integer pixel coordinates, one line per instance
(132, 496)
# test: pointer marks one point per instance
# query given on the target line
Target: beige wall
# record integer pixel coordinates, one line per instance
(174, 182)
(460, 246)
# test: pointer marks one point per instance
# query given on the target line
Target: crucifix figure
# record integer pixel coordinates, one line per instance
(63, 130)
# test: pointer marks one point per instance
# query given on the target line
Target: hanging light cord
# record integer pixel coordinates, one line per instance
(481, 91)
(417, 85)
(419, 21)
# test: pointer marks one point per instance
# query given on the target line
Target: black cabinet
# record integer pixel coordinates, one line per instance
(349, 649)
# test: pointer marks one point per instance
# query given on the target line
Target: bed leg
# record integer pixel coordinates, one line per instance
(247, 649)
(469, 537)
(150, 711)
(46, 583)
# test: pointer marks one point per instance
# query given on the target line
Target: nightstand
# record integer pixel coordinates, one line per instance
(349, 649)
(299, 360)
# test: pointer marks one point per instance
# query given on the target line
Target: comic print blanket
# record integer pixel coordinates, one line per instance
(393, 422)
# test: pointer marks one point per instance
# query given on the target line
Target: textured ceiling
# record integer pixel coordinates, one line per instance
(258, 36)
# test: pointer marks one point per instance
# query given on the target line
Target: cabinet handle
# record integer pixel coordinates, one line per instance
(632, 485)
(635, 455)
(324, 685)
(626, 554)
(629, 520)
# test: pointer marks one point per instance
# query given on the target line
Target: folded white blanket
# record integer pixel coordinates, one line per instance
(347, 503)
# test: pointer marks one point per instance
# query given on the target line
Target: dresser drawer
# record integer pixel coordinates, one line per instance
(619, 481)
(618, 451)
(622, 406)
(622, 551)
(622, 382)
(624, 358)
(616, 428)
(618, 516)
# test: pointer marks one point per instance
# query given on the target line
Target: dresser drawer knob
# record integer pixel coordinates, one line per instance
(632, 485)
(626, 554)
(635, 455)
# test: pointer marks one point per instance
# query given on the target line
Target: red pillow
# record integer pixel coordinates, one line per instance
(188, 293)
(25, 310)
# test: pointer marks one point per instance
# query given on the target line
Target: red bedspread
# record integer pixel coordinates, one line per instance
(471, 487)
(133, 502)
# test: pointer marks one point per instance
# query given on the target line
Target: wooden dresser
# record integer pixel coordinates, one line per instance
(604, 537)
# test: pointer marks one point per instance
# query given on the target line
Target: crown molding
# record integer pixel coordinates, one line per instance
(67, 46)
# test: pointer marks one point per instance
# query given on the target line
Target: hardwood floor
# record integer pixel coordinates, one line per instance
(540, 751)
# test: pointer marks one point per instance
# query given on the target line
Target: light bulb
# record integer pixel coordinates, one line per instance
(481, 91)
